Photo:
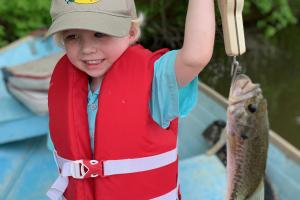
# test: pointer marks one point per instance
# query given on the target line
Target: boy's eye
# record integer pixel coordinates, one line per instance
(99, 35)
(71, 37)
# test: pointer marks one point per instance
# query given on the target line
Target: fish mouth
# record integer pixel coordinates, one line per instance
(242, 89)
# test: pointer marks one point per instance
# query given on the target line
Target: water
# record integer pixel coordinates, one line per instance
(275, 64)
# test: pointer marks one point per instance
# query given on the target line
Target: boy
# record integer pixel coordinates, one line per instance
(122, 143)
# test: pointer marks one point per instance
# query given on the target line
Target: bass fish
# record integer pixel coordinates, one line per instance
(247, 140)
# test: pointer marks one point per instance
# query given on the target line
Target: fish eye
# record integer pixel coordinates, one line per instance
(252, 108)
(244, 136)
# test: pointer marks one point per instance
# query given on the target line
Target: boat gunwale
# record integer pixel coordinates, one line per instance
(16, 43)
(38, 33)
(288, 149)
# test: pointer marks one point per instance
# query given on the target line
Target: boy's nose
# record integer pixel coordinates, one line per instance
(88, 46)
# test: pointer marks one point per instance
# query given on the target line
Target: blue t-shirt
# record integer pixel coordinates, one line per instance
(168, 100)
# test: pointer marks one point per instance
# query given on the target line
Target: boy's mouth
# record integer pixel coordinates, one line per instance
(93, 62)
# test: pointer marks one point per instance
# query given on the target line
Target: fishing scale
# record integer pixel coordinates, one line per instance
(233, 30)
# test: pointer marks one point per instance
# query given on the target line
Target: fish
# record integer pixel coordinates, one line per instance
(247, 131)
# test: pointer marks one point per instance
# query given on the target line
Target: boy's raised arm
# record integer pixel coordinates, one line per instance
(198, 41)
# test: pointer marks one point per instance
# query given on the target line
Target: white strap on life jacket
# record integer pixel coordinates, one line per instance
(77, 169)
(125, 166)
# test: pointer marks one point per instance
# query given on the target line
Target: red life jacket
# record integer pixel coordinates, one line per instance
(124, 128)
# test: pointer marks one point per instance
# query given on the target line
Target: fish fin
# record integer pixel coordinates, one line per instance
(259, 193)
(220, 143)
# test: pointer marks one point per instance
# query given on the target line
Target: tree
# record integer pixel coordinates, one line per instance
(164, 18)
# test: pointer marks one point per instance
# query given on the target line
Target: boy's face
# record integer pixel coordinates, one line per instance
(93, 52)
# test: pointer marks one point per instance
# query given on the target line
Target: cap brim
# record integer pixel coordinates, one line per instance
(100, 22)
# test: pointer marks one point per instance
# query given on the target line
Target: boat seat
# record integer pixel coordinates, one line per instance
(16, 121)
(202, 177)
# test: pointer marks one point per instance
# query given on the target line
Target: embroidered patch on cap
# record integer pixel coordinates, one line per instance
(82, 1)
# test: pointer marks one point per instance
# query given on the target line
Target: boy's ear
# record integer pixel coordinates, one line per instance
(132, 34)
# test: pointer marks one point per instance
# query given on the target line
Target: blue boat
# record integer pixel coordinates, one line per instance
(27, 167)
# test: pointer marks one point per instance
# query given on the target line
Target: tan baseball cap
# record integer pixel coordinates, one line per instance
(112, 17)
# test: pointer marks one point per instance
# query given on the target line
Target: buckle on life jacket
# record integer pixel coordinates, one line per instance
(81, 169)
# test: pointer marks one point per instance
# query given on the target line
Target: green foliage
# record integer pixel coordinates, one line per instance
(275, 15)
(19, 17)
(2, 35)
(164, 22)
(165, 19)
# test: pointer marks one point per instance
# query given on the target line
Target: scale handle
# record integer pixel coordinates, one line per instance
(232, 24)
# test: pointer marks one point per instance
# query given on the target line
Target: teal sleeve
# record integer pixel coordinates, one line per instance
(49, 142)
(168, 101)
